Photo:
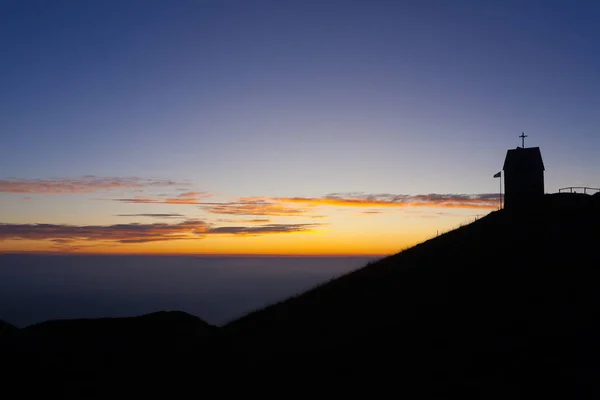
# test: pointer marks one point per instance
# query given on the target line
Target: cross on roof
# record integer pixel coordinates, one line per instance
(523, 136)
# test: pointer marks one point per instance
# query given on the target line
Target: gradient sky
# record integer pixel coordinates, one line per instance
(282, 127)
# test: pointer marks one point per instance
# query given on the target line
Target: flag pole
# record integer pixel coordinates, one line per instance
(500, 192)
(499, 175)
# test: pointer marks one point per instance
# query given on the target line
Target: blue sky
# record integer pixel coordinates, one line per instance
(297, 98)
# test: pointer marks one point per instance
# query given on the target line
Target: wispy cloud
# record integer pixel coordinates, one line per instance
(483, 201)
(370, 212)
(245, 221)
(263, 229)
(171, 215)
(301, 206)
(62, 235)
(259, 207)
(119, 233)
(183, 198)
(85, 184)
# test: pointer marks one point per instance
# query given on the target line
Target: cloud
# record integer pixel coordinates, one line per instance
(183, 198)
(370, 212)
(62, 235)
(246, 221)
(258, 207)
(61, 241)
(481, 201)
(119, 233)
(171, 215)
(85, 184)
(264, 229)
(301, 206)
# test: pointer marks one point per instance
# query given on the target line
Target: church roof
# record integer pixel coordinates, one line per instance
(523, 159)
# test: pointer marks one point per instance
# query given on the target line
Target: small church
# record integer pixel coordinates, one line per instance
(523, 177)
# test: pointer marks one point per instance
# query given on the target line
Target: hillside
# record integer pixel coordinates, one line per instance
(168, 329)
(506, 307)
(508, 303)
(7, 331)
(95, 357)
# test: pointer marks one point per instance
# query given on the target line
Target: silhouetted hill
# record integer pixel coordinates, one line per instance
(81, 357)
(7, 332)
(506, 307)
(167, 329)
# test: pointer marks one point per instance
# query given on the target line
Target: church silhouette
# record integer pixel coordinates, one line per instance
(523, 177)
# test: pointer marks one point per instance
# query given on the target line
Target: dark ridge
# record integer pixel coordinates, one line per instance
(169, 329)
(8, 332)
(493, 240)
(80, 357)
(508, 304)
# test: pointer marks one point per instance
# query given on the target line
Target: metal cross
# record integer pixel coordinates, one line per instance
(523, 136)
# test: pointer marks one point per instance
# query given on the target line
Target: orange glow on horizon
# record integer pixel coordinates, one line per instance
(291, 244)
(341, 234)
(358, 202)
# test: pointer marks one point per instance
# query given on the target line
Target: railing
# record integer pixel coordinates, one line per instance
(582, 189)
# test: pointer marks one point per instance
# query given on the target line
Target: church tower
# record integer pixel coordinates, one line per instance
(523, 177)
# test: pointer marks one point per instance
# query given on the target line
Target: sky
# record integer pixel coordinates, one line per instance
(301, 127)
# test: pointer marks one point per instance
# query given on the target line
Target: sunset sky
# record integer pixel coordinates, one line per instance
(282, 127)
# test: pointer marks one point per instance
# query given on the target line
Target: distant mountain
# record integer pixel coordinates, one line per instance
(506, 307)
(7, 332)
(82, 357)
(166, 331)
(153, 325)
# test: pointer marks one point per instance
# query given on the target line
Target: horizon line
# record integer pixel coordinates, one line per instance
(248, 255)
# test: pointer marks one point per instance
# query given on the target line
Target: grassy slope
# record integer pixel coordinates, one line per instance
(502, 304)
